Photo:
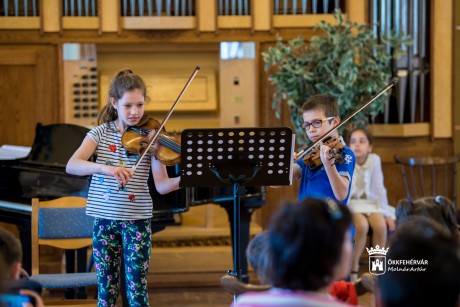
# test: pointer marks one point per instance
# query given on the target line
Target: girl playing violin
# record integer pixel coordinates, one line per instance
(118, 198)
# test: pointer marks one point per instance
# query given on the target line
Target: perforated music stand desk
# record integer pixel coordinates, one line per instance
(236, 157)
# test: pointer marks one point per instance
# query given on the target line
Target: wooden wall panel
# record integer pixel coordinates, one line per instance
(28, 91)
(441, 69)
(157, 59)
(456, 86)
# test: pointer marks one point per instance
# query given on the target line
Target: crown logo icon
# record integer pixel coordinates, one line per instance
(377, 250)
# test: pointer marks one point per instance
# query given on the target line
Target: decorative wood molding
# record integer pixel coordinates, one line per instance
(357, 10)
(301, 21)
(109, 16)
(234, 22)
(261, 12)
(19, 23)
(206, 13)
(84, 23)
(165, 87)
(13, 58)
(158, 22)
(51, 16)
(400, 130)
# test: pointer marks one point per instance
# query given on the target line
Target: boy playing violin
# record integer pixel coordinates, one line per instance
(332, 179)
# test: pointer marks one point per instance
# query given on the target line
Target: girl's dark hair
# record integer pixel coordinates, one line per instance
(123, 81)
(368, 135)
(306, 242)
(421, 238)
(438, 208)
(258, 256)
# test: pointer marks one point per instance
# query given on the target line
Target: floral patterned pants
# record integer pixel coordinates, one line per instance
(113, 239)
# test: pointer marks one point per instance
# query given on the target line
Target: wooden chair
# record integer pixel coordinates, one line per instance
(429, 176)
(61, 223)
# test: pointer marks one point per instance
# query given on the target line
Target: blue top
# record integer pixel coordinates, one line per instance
(315, 183)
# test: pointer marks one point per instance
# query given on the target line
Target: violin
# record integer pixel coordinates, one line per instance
(312, 158)
(136, 139)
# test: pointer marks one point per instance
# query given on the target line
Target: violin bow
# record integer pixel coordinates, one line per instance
(382, 91)
(165, 119)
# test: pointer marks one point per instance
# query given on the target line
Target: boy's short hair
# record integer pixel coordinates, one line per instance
(324, 102)
(10, 248)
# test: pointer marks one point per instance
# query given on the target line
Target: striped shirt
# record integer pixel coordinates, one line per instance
(105, 200)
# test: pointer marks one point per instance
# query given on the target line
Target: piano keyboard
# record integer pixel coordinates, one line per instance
(15, 206)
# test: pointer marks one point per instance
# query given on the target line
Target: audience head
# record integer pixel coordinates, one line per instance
(258, 256)
(11, 251)
(310, 244)
(438, 208)
(3, 273)
(421, 238)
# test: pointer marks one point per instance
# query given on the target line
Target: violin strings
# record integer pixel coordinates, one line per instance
(170, 144)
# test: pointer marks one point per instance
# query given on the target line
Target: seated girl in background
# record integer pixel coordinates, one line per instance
(368, 197)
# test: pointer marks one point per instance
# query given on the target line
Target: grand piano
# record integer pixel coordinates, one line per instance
(42, 174)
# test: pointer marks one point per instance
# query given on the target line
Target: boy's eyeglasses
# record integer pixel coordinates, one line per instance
(315, 123)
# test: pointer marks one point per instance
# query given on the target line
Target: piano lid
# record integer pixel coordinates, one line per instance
(55, 144)
(42, 172)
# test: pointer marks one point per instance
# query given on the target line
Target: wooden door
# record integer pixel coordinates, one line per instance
(29, 91)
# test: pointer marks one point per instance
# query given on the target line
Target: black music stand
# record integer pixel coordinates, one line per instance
(239, 157)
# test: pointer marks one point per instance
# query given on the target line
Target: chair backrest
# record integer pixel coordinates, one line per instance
(429, 176)
(61, 223)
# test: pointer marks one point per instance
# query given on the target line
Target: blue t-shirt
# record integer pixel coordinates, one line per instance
(315, 183)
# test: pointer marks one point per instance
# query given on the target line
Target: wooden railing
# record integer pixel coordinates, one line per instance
(18, 8)
(200, 15)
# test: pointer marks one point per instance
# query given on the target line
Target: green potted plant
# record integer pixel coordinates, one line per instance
(347, 61)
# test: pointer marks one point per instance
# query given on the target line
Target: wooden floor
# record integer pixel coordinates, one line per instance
(210, 296)
(202, 296)
(197, 296)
